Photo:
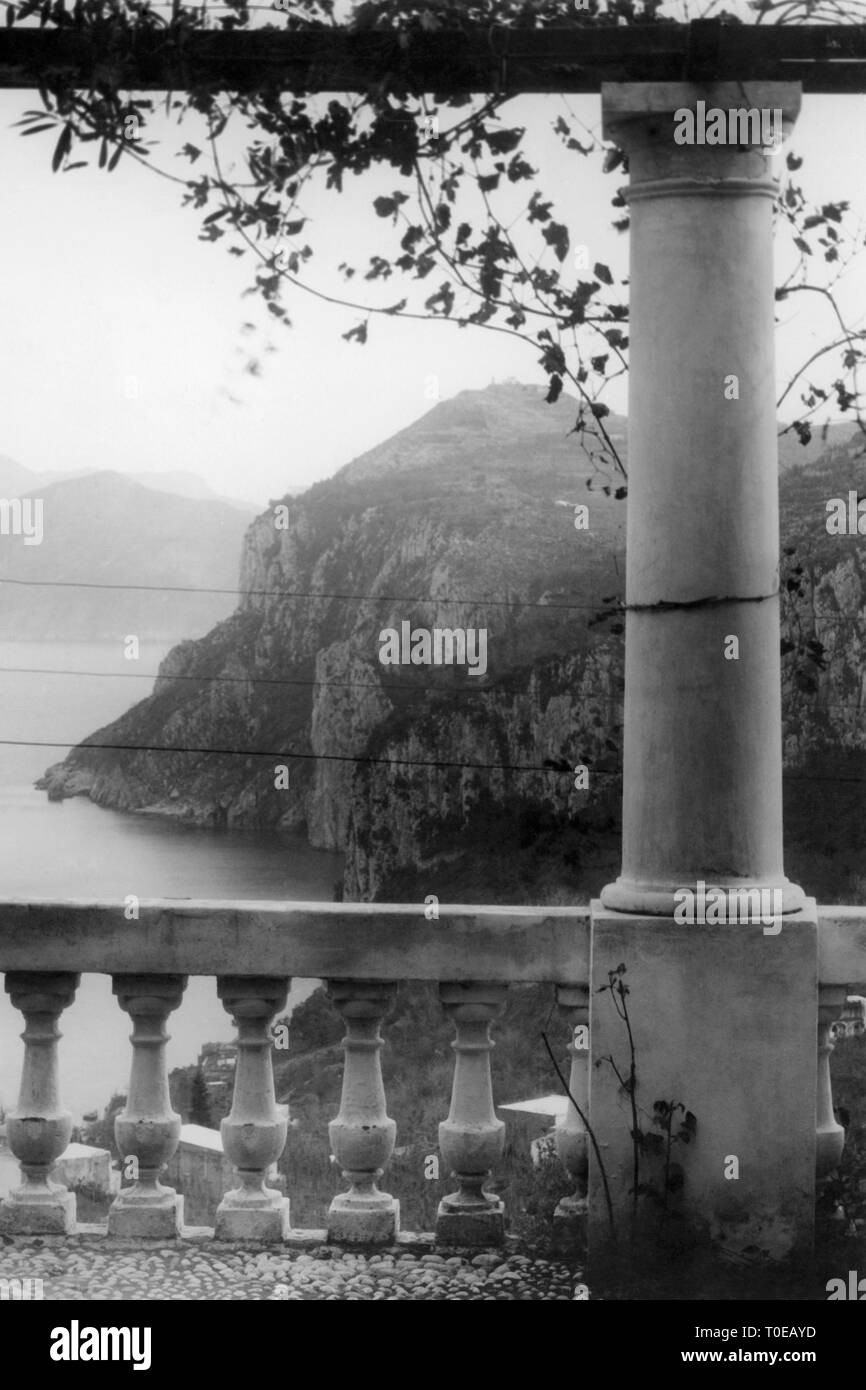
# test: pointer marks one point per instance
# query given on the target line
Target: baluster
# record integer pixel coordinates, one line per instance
(147, 1130)
(254, 1133)
(854, 1014)
(571, 1137)
(362, 1136)
(38, 1129)
(472, 1139)
(830, 1136)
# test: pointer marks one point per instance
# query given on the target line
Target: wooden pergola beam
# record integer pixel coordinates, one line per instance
(475, 59)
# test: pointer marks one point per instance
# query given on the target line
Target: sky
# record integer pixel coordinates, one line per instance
(122, 340)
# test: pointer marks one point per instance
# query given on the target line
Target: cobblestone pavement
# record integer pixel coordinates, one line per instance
(198, 1272)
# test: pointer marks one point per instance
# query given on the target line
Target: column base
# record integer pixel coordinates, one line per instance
(50, 1215)
(155, 1220)
(459, 1224)
(723, 1020)
(659, 900)
(363, 1220)
(266, 1220)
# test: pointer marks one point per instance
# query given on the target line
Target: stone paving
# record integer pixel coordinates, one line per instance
(87, 1272)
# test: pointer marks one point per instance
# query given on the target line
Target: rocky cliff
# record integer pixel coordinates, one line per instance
(453, 523)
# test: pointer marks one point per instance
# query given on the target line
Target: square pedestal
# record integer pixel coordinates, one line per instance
(724, 1019)
(156, 1221)
(360, 1221)
(470, 1226)
(53, 1217)
(239, 1221)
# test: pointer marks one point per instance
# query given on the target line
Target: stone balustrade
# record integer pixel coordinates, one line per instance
(362, 951)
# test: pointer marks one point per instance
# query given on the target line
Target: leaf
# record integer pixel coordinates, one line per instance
(556, 235)
(555, 389)
(488, 182)
(538, 211)
(357, 334)
(505, 141)
(37, 129)
(802, 245)
(602, 273)
(62, 147)
(599, 409)
(518, 169)
(652, 1143)
(115, 158)
(444, 296)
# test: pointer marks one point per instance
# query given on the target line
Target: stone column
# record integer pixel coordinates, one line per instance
(38, 1129)
(721, 1015)
(702, 762)
(472, 1139)
(254, 1133)
(571, 1136)
(362, 1136)
(147, 1130)
(829, 1134)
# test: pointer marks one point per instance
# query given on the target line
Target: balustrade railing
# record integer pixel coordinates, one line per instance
(362, 951)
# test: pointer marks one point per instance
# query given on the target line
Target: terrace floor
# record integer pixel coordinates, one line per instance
(79, 1268)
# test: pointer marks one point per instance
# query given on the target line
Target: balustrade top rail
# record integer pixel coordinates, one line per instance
(361, 941)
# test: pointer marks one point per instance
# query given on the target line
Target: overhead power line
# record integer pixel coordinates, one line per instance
(284, 754)
(296, 594)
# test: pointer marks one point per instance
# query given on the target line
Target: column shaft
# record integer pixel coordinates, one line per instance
(702, 761)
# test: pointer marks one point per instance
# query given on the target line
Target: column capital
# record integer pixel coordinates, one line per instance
(642, 118)
(644, 103)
